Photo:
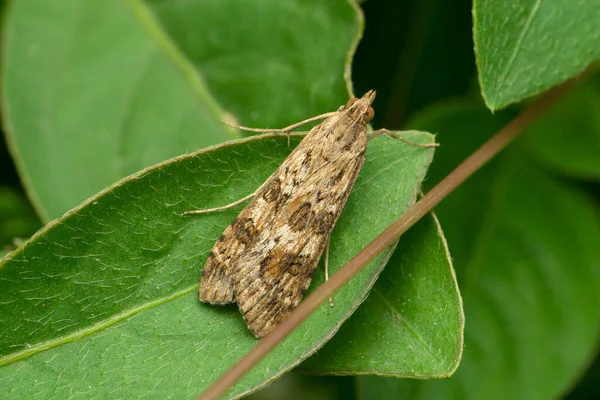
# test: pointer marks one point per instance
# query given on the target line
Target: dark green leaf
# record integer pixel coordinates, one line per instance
(525, 47)
(103, 301)
(411, 325)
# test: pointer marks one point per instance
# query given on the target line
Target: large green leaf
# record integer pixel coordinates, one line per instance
(269, 62)
(103, 301)
(411, 325)
(526, 254)
(526, 47)
(94, 91)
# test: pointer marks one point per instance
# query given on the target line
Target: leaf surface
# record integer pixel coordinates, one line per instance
(411, 325)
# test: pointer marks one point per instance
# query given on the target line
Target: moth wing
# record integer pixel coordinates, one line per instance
(217, 282)
(268, 290)
(291, 218)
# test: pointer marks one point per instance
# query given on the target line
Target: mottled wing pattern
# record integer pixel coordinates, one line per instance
(275, 271)
(216, 284)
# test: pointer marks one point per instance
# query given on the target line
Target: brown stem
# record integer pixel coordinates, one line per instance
(488, 150)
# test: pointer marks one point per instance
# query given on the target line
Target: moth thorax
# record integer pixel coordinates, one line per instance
(368, 114)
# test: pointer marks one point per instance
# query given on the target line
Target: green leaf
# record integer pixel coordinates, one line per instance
(271, 63)
(525, 250)
(94, 91)
(411, 325)
(103, 301)
(567, 137)
(526, 47)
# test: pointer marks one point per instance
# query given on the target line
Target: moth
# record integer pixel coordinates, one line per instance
(265, 260)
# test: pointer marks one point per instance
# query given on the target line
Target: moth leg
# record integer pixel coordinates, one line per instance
(327, 269)
(226, 207)
(396, 136)
(287, 130)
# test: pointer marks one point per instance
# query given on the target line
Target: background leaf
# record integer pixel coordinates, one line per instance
(567, 138)
(110, 289)
(525, 251)
(270, 63)
(87, 87)
(527, 47)
(411, 325)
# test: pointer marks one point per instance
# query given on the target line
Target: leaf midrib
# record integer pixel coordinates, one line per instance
(409, 327)
(82, 333)
(517, 47)
(164, 43)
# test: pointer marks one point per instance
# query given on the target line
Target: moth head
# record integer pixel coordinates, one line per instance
(362, 106)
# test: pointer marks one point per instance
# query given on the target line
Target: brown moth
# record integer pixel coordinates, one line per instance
(266, 258)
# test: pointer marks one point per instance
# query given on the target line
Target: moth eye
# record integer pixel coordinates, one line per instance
(351, 101)
(369, 114)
